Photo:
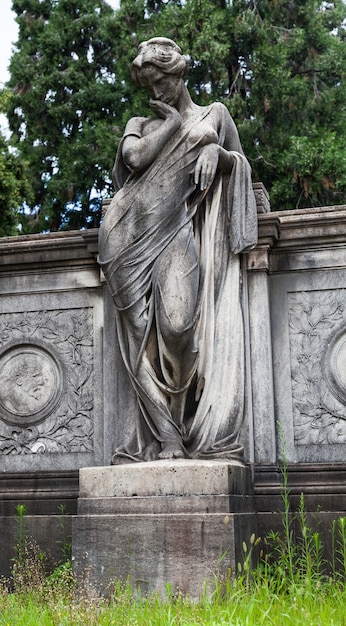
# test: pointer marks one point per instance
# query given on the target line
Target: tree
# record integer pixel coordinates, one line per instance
(63, 114)
(278, 65)
(13, 181)
(296, 60)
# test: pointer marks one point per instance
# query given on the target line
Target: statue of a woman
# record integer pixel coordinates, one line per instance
(169, 247)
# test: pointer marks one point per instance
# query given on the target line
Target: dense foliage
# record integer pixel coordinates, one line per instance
(63, 109)
(278, 65)
(14, 185)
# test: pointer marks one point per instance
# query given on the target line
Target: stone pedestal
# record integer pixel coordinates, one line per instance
(178, 523)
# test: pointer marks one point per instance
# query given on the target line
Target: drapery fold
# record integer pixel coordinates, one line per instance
(158, 206)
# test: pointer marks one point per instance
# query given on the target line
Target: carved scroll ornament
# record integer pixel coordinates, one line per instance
(317, 331)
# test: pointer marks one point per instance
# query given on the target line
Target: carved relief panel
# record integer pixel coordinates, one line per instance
(317, 338)
(46, 382)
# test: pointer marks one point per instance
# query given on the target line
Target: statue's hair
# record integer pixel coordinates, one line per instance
(162, 53)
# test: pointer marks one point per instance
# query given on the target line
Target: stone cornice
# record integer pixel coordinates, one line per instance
(311, 226)
(289, 227)
(280, 232)
(299, 239)
(48, 249)
(268, 233)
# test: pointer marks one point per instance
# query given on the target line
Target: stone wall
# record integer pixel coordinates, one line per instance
(51, 400)
(297, 289)
(51, 333)
(64, 395)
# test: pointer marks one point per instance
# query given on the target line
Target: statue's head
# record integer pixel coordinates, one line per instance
(162, 54)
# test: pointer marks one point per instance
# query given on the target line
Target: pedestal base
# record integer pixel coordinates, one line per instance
(178, 523)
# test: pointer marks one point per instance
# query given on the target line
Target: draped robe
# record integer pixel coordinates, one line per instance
(146, 215)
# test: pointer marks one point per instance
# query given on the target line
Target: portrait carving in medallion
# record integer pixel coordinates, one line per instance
(46, 381)
(317, 333)
(32, 384)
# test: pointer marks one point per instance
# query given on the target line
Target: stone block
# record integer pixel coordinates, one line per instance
(180, 529)
(182, 477)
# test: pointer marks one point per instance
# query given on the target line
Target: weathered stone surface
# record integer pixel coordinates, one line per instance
(43, 494)
(166, 522)
(262, 198)
(183, 477)
(51, 320)
(153, 551)
(234, 503)
(262, 400)
(44, 535)
(300, 261)
(306, 282)
(323, 486)
(184, 209)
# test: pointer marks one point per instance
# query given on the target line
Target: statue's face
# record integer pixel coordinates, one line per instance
(160, 86)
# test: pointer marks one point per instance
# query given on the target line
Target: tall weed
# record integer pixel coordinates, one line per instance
(292, 584)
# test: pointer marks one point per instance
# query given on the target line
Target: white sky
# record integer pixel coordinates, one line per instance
(9, 33)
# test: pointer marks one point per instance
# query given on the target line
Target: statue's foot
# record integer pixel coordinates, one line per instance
(171, 452)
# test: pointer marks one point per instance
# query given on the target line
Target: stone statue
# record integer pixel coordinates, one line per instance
(169, 247)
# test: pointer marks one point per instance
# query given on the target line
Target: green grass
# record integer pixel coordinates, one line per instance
(241, 603)
(292, 584)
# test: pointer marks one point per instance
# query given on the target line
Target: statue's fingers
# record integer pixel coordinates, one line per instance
(208, 177)
(204, 177)
(197, 172)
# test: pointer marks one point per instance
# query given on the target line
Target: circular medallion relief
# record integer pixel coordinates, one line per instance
(335, 365)
(31, 384)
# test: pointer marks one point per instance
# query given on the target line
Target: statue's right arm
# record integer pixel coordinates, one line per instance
(140, 152)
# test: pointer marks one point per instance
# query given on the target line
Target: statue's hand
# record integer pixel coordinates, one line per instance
(206, 165)
(166, 112)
